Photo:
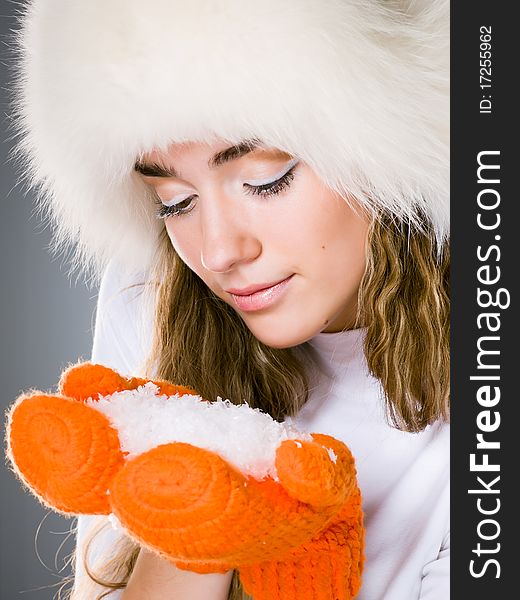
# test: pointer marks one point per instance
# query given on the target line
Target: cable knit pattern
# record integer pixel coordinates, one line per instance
(298, 535)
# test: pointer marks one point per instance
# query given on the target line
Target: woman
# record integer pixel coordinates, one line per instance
(299, 147)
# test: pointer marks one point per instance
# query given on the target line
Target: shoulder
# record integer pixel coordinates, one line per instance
(98, 544)
(96, 532)
(121, 290)
(124, 319)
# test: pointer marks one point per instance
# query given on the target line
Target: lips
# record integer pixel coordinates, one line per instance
(247, 291)
(263, 297)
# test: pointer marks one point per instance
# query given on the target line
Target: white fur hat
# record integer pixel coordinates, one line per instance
(358, 89)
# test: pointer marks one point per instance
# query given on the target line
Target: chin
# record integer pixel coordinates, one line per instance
(281, 336)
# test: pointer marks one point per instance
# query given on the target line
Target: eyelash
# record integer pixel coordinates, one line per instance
(265, 190)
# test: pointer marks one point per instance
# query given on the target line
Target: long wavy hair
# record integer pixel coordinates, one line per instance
(403, 302)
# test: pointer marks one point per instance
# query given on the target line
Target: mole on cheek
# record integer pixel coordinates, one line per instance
(323, 247)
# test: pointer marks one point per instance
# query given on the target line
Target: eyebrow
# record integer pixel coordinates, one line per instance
(224, 156)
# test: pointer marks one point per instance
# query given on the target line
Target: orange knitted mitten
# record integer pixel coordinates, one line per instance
(208, 485)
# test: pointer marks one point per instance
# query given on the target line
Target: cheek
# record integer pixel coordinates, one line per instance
(352, 246)
(186, 244)
(347, 243)
(329, 237)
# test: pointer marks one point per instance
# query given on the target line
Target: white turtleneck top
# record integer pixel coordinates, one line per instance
(403, 477)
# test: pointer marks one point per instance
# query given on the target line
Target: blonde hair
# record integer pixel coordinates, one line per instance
(403, 301)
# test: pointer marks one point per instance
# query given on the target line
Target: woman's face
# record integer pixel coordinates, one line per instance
(253, 216)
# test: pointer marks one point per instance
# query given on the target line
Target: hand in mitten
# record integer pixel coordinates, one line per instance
(210, 486)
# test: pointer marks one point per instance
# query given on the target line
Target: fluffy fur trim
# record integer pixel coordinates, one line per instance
(358, 89)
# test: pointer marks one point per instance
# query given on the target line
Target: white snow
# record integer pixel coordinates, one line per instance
(332, 455)
(245, 437)
(115, 522)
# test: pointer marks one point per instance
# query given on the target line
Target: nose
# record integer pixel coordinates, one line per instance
(227, 238)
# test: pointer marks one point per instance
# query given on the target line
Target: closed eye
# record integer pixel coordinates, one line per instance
(173, 210)
(274, 186)
(270, 188)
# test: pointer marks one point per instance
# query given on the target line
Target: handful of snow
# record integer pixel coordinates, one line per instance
(245, 437)
(182, 476)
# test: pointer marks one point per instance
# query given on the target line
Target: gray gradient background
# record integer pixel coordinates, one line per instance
(46, 322)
